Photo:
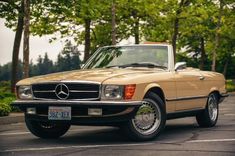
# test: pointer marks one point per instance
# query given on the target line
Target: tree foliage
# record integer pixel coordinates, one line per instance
(196, 28)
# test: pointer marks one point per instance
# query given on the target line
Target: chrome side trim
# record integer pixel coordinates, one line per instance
(186, 110)
(187, 98)
(183, 113)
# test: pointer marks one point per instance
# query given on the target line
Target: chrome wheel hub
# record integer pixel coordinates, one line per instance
(212, 107)
(147, 119)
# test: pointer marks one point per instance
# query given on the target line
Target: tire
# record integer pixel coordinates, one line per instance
(149, 120)
(46, 130)
(209, 117)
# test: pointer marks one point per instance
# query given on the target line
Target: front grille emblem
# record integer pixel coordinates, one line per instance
(62, 91)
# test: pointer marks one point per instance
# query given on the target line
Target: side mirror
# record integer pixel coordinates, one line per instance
(180, 65)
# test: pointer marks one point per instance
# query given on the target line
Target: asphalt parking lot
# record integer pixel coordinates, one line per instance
(180, 137)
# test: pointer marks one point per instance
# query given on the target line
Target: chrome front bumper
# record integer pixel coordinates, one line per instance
(113, 111)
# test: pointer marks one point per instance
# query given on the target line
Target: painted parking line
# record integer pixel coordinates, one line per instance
(22, 133)
(212, 140)
(77, 147)
(16, 133)
(229, 114)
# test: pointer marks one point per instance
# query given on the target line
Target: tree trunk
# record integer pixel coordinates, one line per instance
(183, 3)
(203, 54)
(226, 67)
(136, 26)
(26, 38)
(137, 32)
(113, 23)
(214, 52)
(87, 39)
(16, 47)
(217, 37)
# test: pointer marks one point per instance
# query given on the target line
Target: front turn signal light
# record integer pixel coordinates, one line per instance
(129, 91)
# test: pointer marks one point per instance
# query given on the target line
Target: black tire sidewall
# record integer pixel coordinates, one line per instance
(35, 128)
(203, 119)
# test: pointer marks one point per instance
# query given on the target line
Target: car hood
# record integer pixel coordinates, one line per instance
(91, 75)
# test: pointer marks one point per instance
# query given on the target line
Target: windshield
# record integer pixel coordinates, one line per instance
(129, 56)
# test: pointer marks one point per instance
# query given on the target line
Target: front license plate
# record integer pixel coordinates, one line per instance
(59, 113)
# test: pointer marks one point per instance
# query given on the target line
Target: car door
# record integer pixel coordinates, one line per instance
(189, 89)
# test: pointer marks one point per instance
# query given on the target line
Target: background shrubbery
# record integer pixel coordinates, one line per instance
(230, 85)
(6, 97)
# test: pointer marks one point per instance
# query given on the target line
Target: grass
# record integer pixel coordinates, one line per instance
(230, 86)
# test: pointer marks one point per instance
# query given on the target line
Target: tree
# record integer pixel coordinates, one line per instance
(71, 18)
(131, 13)
(217, 35)
(182, 4)
(68, 58)
(113, 22)
(16, 11)
(26, 38)
(191, 26)
(195, 29)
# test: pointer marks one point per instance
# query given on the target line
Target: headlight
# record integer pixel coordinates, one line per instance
(112, 92)
(25, 92)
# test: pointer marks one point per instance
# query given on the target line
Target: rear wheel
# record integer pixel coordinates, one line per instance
(209, 117)
(149, 120)
(45, 129)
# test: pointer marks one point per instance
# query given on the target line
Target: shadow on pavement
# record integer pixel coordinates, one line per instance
(111, 135)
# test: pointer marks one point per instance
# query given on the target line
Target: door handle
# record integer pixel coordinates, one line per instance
(201, 78)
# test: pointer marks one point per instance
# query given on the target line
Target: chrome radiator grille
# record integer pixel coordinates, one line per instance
(76, 91)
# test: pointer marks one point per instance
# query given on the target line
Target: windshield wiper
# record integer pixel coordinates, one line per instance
(114, 66)
(142, 64)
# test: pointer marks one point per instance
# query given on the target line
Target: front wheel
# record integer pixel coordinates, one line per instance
(149, 120)
(46, 130)
(209, 117)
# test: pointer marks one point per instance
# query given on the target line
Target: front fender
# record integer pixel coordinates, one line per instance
(149, 86)
(146, 88)
(142, 89)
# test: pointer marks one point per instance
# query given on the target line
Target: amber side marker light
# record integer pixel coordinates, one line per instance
(129, 91)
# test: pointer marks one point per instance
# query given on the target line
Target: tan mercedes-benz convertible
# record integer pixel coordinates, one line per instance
(135, 87)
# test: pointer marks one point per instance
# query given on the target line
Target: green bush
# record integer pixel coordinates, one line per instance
(230, 86)
(5, 107)
(5, 86)
(6, 98)
(4, 95)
